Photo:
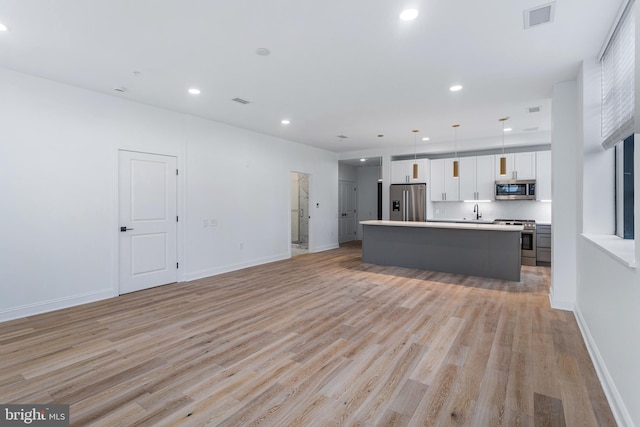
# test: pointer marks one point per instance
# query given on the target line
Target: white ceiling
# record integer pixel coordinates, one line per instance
(347, 67)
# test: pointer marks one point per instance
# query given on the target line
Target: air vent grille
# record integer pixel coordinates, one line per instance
(539, 15)
(533, 109)
(240, 100)
(531, 129)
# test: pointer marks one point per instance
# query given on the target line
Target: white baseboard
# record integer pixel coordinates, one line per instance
(54, 304)
(233, 267)
(561, 304)
(618, 408)
(325, 247)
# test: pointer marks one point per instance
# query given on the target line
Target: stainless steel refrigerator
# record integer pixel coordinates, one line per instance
(408, 202)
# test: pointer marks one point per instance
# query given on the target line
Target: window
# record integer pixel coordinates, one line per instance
(618, 109)
(617, 83)
(624, 189)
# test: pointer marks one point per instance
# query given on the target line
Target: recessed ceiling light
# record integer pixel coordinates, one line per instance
(194, 91)
(425, 138)
(3, 27)
(285, 122)
(508, 129)
(409, 14)
(363, 160)
(455, 88)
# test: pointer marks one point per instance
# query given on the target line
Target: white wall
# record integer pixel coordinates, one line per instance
(347, 173)
(608, 292)
(58, 168)
(367, 194)
(565, 224)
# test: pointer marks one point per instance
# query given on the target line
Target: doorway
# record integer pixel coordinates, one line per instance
(147, 198)
(299, 213)
(347, 207)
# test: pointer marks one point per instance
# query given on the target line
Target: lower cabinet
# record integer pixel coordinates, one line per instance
(543, 245)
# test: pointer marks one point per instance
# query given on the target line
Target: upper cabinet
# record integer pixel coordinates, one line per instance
(444, 187)
(402, 171)
(543, 175)
(477, 180)
(519, 166)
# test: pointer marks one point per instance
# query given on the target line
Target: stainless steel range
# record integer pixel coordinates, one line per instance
(528, 240)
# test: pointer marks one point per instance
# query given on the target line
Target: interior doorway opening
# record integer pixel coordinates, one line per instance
(299, 213)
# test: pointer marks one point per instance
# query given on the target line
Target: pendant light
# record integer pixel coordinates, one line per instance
(455, 140)
(415, 153)
(503, 159)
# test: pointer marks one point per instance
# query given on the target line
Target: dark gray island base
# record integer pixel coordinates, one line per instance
(484, 250)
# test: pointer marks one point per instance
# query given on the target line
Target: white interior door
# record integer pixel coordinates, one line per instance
(347, 207)
(148, 221)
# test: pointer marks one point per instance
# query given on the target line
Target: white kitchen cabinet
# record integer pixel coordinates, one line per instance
(477, 180)
(402, 171)
(543, 175)
(519, 166)
(444, 187)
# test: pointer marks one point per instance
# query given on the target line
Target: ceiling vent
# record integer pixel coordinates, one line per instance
(343, 136)
(531, 129)
(535, 109)
(240, 100)
(539, 15)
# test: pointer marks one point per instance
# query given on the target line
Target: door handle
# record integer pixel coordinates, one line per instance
(125, 229)
(405, 206)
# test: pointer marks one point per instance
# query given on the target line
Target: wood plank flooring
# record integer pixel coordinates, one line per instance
(320, 339)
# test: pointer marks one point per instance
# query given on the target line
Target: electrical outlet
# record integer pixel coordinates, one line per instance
(213, 222)
(205, 223)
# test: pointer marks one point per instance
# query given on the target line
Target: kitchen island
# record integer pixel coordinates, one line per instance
(485, 250)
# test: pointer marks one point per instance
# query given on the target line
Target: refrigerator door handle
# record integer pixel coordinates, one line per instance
(406, 209)
(404, 205)
(408, 203)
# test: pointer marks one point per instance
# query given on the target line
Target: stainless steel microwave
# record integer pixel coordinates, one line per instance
(518, 189)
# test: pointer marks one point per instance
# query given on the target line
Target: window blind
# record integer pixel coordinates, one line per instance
(618, 80)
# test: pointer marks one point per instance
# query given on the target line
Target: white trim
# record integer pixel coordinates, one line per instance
(621, 250)
(618, 408)
(560, 303)
(323, 248)
(208, 272)
(54, 304)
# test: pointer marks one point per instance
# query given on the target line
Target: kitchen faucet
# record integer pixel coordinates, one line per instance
(476, 210)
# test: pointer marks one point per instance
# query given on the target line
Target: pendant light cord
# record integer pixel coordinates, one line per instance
(455, 140)
(504, 119)
(503, 137)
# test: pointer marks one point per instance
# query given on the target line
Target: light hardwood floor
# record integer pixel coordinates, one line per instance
(320, 339)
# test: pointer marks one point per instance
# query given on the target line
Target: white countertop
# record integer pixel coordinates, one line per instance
(463, 221)
(438, 224)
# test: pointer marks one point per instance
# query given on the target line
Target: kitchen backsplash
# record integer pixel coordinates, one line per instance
(507, 209)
